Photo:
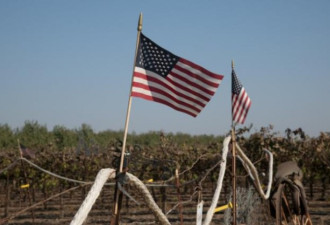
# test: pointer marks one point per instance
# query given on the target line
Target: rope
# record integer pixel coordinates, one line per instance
(100, 180)
(53, 174)
(248, 165)
(87, 182)
(216, 195)
(120, 187)
(96, 188)
(93, 194)
(134, 181)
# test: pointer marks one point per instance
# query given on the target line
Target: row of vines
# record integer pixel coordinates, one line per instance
(79, 154)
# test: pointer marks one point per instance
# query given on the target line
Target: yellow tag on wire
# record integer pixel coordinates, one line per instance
(224, 207)
(25, 186)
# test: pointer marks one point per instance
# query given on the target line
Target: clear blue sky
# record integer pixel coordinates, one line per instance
(70, 62)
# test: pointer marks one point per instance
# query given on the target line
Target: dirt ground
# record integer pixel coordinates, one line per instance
(61, 210)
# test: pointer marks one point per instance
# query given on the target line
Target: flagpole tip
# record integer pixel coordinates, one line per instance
(139, 28)
(232, 64)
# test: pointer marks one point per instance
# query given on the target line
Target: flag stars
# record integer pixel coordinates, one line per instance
(155, 58)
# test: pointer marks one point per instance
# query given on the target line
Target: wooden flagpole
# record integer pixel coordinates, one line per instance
(115, 220)
(233, 141)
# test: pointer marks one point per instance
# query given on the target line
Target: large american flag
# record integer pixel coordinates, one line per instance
(240, 100)
(163, 77)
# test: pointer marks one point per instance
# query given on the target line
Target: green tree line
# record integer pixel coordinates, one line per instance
(60, 138)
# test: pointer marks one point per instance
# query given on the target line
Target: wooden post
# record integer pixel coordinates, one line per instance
(26, 180)
(7, 195)
(284, 221)
(61, 203)
(115, 220)
(177, 183)
(233, 139)
(163, 193)
(199, 214)
(234, 174)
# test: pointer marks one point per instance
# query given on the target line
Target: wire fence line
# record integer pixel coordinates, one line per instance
(156, 184)
(9, 166)
(56, 175)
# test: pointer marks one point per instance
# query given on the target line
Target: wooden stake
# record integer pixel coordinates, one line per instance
(26, 181)
(115, 220)
(234, 174)
(7, 196)
(233, 141)
(177, 183)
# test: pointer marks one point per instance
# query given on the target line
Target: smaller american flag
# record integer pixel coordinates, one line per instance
(26, 152)
(240, 100)
(163, 77)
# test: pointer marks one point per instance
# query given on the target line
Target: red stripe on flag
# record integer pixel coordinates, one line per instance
(163, 93)
(158, 81)
(202, 69)
(190, 82)
(188, 89)
(152, 98)
(195, 77)
(241, 105)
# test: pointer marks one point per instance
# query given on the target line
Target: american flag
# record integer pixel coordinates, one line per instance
(163, 77)
(240, 100)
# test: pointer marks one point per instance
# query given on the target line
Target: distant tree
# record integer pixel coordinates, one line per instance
(86, 139)
(64, 138)
(106, 139)
(34, 135)
(7, 137)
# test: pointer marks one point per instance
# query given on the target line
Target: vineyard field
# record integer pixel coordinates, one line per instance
(61, 210)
